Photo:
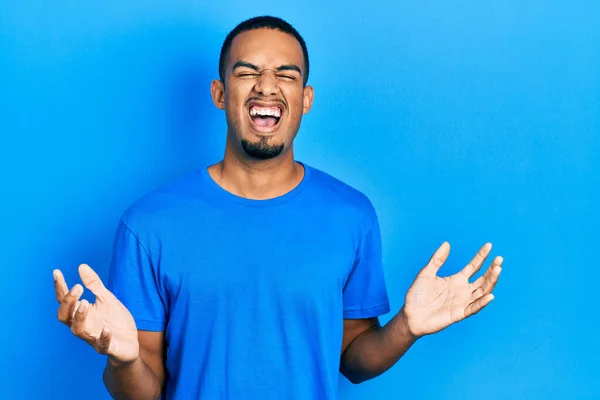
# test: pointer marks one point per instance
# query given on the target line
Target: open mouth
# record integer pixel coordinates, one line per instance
(265, 118)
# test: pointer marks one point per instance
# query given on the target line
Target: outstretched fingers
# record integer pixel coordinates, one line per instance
(475, 264)
(92, 281)
(486, 283)
(78, 327)
(68, 304)
(478, 305)
(437, 260)
(60, 285)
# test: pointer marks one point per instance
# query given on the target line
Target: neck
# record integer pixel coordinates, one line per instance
(257, 179)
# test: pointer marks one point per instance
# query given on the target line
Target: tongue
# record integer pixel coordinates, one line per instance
(265, 122)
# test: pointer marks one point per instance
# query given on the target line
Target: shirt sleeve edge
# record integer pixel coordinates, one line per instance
(147, 325)
(370, 312)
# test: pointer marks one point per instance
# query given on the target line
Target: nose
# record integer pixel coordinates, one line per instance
(266, 84)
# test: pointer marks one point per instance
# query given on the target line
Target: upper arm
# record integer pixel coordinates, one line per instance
(364, 294)
(135, 280)
(355, 327)
(153, 352)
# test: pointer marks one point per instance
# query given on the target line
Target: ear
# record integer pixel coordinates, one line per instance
(309, 94)
(217, 91)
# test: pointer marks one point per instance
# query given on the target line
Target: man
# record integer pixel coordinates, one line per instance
(259, 277)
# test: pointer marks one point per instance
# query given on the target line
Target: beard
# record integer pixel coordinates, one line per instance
(262, 149)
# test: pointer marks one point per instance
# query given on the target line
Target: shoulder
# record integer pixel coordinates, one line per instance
(342, 197)
(164, 203)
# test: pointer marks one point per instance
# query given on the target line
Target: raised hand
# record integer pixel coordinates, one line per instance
(106, 325)
(433, 303)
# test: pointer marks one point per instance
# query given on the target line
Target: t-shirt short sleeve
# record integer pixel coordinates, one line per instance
(365, 294)
(133, 280)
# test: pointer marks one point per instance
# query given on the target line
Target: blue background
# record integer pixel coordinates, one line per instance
(462, 121)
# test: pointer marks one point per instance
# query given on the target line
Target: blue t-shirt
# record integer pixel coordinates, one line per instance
(251, 294)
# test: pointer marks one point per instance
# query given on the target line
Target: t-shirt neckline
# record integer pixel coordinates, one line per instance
(231, 197)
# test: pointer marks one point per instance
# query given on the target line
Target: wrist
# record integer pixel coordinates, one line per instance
(116, 363)
(405, 326)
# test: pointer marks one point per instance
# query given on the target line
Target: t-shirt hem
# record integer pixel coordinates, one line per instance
(370, 312)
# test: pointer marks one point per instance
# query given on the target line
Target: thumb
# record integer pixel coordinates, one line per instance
(91, 280)
(437, 260)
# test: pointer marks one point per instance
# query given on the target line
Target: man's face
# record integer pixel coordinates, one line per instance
(264, 97)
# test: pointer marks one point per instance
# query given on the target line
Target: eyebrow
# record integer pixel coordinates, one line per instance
(285, 67)
(244, 64)
(289, 67)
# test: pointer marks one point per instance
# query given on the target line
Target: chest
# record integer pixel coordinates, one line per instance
(257, 259)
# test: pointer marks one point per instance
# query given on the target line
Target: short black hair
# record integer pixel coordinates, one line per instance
(267, 22)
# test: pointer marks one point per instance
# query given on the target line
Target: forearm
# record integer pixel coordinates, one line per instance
(376, 350)
(134, 381)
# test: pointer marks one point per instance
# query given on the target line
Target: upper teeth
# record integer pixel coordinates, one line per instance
(275, 112)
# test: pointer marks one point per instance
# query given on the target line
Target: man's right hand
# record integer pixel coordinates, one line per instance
(107, 325)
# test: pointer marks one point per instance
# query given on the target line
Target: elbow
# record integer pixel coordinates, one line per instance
(358, 375)
(355, 379)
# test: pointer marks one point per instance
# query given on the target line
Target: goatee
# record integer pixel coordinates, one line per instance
(262, 149)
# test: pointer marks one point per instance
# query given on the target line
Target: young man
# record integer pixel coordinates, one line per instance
(259, 277)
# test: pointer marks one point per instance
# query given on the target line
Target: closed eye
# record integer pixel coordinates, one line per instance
(287, 77)
(248, 74)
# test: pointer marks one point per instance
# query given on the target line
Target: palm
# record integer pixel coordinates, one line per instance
(107, 325)
(433, 302)
(109, 312)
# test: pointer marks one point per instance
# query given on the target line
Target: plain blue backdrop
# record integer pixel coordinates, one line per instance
(462, 121)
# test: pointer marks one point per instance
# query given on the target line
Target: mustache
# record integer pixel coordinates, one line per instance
(281, 101)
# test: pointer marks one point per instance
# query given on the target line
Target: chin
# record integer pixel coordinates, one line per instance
(262, 149)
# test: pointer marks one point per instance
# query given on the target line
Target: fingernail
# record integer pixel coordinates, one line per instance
(81, 307)
(75, 290)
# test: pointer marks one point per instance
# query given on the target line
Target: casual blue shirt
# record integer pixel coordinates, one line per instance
(251, 294)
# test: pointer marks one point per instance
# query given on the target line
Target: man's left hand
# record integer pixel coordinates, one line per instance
(433, 303)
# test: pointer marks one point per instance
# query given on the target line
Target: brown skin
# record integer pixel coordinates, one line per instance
(432, 303)
(238, 172)
(135, 366)
(136, 359)
(249, 177)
